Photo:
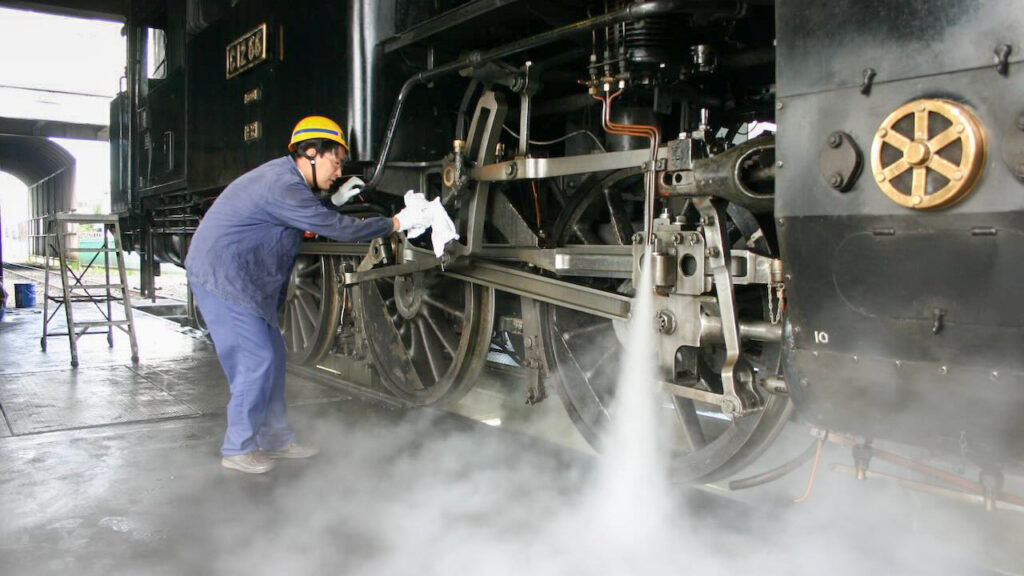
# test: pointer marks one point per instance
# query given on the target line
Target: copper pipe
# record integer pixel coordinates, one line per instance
(643, 131)
(814, 470)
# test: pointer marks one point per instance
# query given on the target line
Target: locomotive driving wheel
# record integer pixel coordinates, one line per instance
(706, 443)
(427, 334)
(311, 307)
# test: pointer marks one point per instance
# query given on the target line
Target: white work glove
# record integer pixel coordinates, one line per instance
(415, 217)
(351, 188)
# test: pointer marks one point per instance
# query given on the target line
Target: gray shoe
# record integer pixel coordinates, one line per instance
(292, 450)
(250, 463)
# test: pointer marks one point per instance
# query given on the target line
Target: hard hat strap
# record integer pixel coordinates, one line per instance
(312, 163)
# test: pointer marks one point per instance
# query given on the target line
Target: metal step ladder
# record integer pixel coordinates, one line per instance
(75, 290)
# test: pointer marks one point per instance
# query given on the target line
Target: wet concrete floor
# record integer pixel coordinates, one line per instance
(113, 468)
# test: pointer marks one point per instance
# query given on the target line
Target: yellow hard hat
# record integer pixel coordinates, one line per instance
(319, 127)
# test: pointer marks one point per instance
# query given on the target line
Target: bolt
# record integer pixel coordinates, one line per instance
(836, 180)
(730, 406)
(779, 164)
(510, 169)
(638, 238)
(691, 239)
(677, 238)
(943, 370)
(714, 252)
(880, 177)
(882, 133)
(835, 140)
(958, 176)
(804, 382)
(665, 322)
(778, 105)
(995, 375)
(899, 364)
(920, 108)
(528, 342)
(960, 128)
(915, 200)
(782, 222)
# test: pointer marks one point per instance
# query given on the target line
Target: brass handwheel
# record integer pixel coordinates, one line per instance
(937, 179)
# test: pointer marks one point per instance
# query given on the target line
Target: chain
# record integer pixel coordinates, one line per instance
(776, 302)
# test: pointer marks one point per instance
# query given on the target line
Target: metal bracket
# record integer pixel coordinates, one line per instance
(534, 356)
(738, 394)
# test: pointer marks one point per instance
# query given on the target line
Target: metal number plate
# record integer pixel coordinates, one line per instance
(247, 51)
(253, 131)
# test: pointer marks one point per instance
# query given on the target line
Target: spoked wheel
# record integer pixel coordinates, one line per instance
(311, 307)
(706, 443)
(428, 334)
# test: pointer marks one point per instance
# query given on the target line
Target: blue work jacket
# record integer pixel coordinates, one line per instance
(245, 246)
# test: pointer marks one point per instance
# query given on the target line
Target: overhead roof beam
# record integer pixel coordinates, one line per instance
(112, 10)
(53, 129)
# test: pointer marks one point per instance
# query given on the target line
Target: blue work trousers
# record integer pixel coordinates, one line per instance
(252, 355)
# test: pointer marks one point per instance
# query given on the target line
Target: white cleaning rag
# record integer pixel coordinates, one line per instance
(442, 227)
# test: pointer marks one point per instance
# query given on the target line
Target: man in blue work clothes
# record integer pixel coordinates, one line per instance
(238, 266)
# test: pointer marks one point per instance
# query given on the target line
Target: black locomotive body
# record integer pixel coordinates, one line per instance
(864, 271)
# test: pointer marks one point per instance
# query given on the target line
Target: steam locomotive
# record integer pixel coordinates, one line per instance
(830, 194)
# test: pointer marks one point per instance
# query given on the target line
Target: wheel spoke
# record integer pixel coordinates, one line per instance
(313, 291)
(444, 333)
(285, 324)
(444, 306)
(945, 167)
(689, 423)
(316, 266)
(610, 352)
(434, 355)
(619, 218)
(921, 124)
(896, 140)
(296, 329)
(947, 137)
(306, 308)
(586, 329)
(920, 181)
(896, 168)
(416, 354)
(585, 235)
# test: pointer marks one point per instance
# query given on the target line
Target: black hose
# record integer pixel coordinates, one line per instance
(775, 473)
(635, 11)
